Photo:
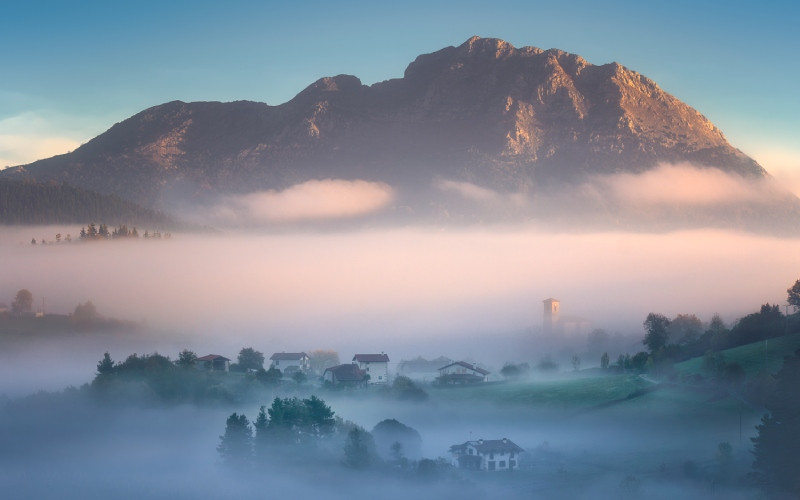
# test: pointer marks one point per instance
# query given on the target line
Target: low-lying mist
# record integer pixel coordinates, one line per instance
(470, 293)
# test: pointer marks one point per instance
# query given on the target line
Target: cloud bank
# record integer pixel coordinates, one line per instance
(315, 200)
(685, 185)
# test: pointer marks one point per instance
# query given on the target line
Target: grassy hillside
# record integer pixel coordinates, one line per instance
(565, 393)
(756, 358)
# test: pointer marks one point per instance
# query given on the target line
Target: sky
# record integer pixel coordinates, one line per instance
(70, 70)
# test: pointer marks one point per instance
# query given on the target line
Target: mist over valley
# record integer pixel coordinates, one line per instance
(510, 272)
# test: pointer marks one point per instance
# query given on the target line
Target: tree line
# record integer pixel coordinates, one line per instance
(31, 202)
(297, 432)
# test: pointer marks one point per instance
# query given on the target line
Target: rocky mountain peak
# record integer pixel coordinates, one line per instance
(491, 48)
(503, 118)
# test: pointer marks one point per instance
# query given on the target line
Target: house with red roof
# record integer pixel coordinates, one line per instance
(376, 366)
(345, 375)
(213, 363)
(488, 455)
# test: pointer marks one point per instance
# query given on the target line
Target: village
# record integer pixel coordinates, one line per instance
(373, 369)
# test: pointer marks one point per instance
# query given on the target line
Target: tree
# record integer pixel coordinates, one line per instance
(604, 361)
(639, 361)
(236, 445)
(23, 302)
(321, 359)
(512, 371)
(775, 448)
(794, 294)
(657, 334)
(359, 449)
(186, 359)
(106, 365)
(299, 377)
(547, 364)
(404, 388)
(269, 377)
(320, 419)
(261, 441)
(685, 328)
(388, 433)
(250, 359)
(85, 313)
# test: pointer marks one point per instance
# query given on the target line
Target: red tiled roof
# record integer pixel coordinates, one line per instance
(346, 373)
(371, 358)
(213, 357)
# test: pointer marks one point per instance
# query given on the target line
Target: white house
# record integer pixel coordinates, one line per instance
(286, 360)
(214, 363)
(488, 455)
(462, 372)
(374, 365)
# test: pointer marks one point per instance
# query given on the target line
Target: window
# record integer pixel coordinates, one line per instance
(502, 464)
(491, 456)
(469, 451)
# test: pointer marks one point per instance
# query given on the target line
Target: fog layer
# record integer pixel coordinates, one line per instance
(410, 285)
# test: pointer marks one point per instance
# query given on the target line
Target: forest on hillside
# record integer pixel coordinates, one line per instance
(30, 202)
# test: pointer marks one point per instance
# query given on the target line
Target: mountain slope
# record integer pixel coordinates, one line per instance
(34, 203)
(509, 120)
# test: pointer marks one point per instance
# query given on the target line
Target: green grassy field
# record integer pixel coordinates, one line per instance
(564, 393)
(756, 358)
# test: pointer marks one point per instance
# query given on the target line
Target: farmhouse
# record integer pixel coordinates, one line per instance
(374, 365)
(488, 455)
(290, 361)
(214, 363)
(345, 375)
(462, 372)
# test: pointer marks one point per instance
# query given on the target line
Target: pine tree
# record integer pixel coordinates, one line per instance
(777, 462)
(106, 365)
(236, 445)
(359, 450)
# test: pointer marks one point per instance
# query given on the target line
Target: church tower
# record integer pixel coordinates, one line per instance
(550, 316)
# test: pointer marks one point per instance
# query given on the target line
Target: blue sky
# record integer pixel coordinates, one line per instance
(70, 70)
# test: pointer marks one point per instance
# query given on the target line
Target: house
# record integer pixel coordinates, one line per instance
(488, 455)
(374, 365)
(290, 361)
(462, 372)
(345, 375)
(214, 363)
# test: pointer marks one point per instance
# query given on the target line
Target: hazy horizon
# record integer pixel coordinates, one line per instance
(471, 292)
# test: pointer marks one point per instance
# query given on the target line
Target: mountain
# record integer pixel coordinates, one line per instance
(484, 116)
(29, 202)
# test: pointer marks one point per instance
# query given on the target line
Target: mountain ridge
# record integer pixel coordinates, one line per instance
(512, 120)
